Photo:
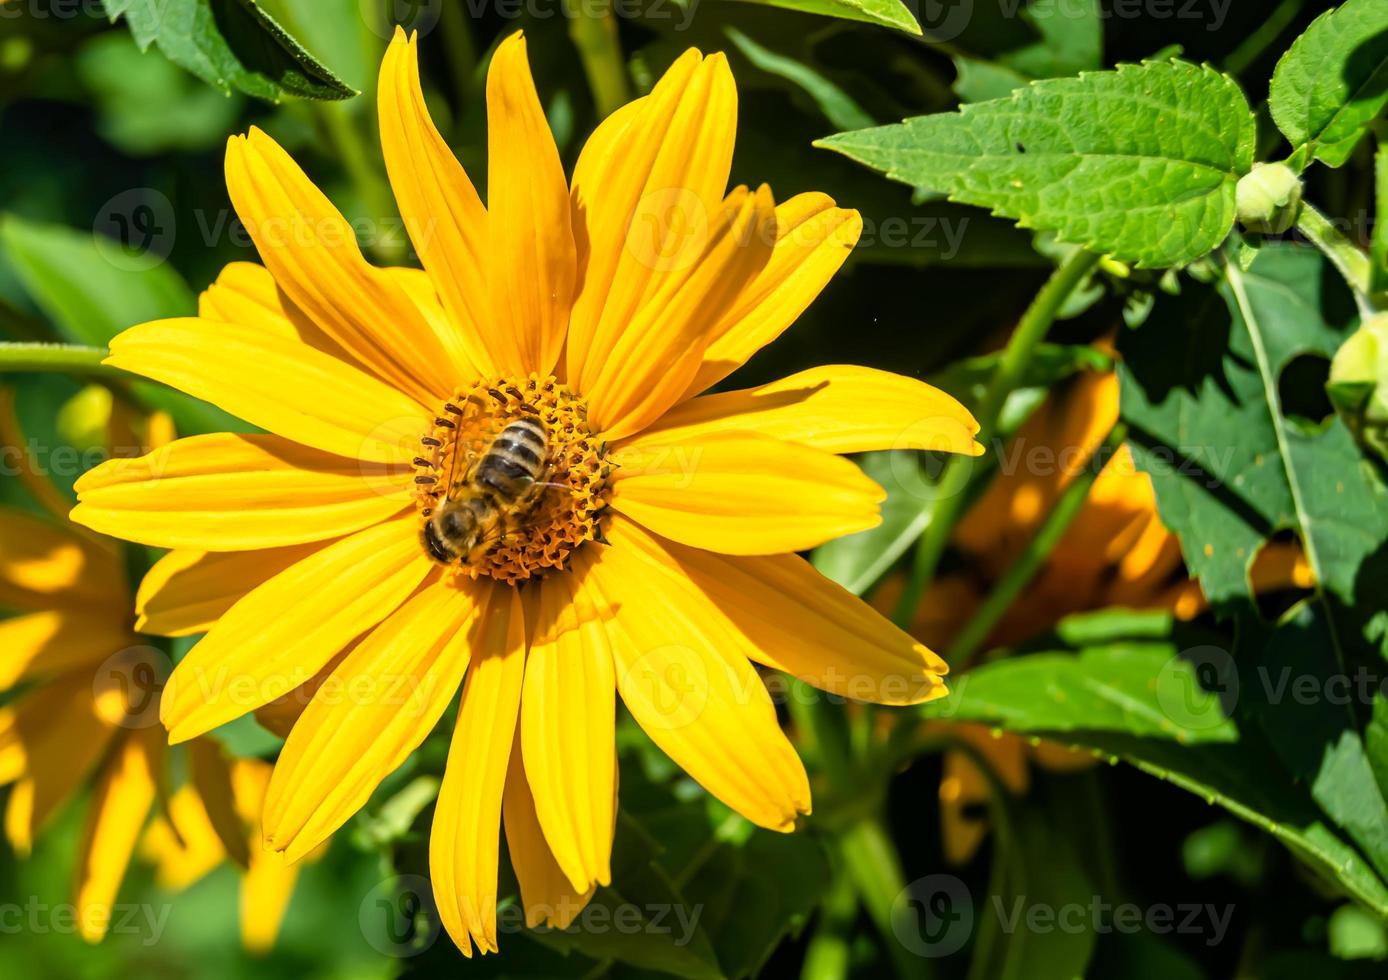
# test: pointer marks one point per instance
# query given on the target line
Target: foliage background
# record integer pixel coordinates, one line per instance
(98, 139)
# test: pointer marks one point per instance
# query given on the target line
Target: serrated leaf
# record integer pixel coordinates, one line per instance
(1140, 162)
(1333, 82)
(1199, 383)
(884, 13)
(230, 44)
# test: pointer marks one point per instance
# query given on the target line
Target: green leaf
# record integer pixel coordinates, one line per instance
(837, 105)
(92, 288)
(1333, 82)
(884, 13)
(231, 45)
(1199, 383)
(650, 924)
(1140, 163)
(1143, 689)
(1069, 40)
(756, 894)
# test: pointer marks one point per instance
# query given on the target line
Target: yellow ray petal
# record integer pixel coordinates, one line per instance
(312, 252)
(186, 850)
(813, 238)
(49, 741)
(568, 732)
(187, 591)
(281, 385)
(659, 350)
(229, 492)
(280, 635)
(120, 804)
(532, 267)
(280, 715)
(838, 408)
(364, 721)
(646, 191)
(209, 771)
(467, 819)
(245, 294)
(742, 493)
(20, 457)
(685, 681)
(788, 616)
(44, 644)
(442, 212)
(546, 894)
(266, 888)
(43, 566)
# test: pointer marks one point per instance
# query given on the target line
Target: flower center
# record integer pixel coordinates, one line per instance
(509, 480)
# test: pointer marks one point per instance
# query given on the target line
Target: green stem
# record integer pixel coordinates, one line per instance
(1038, 549)
(1252, 48)
(1347, 257)
(58, 358)
(949, 506)
(827, 956)
(594, 32)
(874, 867)
(462, 54)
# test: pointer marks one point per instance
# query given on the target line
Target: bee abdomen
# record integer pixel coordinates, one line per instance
(515, 461)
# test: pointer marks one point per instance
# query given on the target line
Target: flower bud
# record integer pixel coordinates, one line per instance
(1358, 386)
(1268, 199)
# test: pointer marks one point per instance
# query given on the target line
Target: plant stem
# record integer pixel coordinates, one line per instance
(57, 358)
(948, 508)
(343, 131)
(1038, 549)
(462, 54)
(874, 867)
(1252, 48)
(828, 953)
(594, 32)
(1347, 257)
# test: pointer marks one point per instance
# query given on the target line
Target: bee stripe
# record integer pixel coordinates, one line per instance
(519, 451)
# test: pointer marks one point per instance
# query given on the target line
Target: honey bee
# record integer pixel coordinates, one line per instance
(499, 489)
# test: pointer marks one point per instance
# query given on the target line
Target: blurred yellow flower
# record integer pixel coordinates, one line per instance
(659, 562)
(1117, 552)
(87, 706)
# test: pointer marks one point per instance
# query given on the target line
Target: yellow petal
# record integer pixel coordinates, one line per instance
(443, 214)
(464, 841)
(364, 721)
(120, 804)
(281, 385)
(312, 252)
(266, 888)
(684, 679)
(658, 352)
(838, 408)
(788, 616)
(186, 850)
(49, 741)
(43, 565)
(43, 644)
(187, 591)
(531, 248)
(282, 714)
(209, 771)
(646, 190)
(813, 238)
(546, 894)
(245, 294)
(742, 493)
(280, 635)
(229, 492)
(568, 732)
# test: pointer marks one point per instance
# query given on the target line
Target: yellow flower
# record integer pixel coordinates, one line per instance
(659, 563)
(90, 708)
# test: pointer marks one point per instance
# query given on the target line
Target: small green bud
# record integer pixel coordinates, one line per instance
(1358, 385)
(1269, 198)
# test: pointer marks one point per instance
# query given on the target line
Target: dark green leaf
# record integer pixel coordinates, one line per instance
(230, 44)
(884, 13)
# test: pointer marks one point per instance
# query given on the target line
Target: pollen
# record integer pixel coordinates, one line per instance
(566, 510)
